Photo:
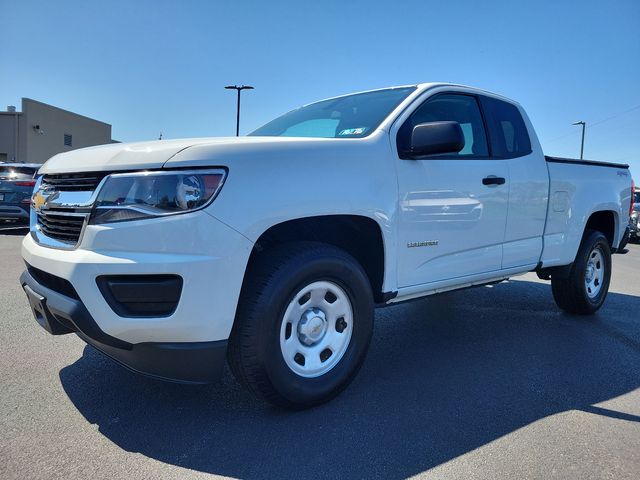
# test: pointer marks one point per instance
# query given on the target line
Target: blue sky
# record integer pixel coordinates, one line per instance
(151, 66)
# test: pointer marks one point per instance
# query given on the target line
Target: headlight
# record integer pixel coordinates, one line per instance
(134, 196)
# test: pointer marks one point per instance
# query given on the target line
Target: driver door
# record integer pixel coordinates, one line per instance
(453, 208)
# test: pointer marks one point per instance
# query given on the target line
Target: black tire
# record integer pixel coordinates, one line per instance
(275, 277)
(570, 293)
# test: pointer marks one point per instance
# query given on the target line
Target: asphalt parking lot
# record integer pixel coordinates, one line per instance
(491, 382)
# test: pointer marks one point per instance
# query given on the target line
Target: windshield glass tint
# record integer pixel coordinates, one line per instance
(351, 116)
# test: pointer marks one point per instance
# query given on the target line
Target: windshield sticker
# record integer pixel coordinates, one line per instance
(353, 131)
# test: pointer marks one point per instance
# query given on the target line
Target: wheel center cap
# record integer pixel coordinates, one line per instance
(590, 271)
(312, 326)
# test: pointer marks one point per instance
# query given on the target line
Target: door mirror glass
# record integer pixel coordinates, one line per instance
(436, 138)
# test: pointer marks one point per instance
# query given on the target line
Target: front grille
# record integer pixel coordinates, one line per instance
(67, 204)
(77, 182)
(66, 228)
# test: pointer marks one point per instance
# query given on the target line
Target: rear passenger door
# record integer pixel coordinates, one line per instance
(511, 135)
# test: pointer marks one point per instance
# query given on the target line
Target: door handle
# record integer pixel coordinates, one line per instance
(493, 180)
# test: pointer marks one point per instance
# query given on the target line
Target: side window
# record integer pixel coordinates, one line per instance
(507, 130)
(449, 107)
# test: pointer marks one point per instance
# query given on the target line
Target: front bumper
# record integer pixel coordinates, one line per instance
(190, 362)
(209, 256)
(184, 343)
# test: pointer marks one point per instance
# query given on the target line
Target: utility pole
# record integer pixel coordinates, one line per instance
(239, 88)
(582, 143)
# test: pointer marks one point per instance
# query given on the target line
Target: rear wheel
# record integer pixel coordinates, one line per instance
(584, 290)
(303, 325)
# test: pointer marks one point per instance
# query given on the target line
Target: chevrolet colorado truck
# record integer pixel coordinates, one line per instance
(272, 250)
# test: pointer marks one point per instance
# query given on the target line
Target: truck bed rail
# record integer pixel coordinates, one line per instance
(585, 162)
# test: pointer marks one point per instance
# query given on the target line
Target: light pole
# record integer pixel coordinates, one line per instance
(239, 88)
(582, 143)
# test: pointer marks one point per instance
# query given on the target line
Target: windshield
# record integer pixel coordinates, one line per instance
(351, 116)
(636, 197)
(16, 173)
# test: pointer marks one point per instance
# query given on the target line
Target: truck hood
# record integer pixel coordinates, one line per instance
(118, 156)
(178, 153)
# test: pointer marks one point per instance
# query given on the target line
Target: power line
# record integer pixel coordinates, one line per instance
(614, 116)
(591, 125)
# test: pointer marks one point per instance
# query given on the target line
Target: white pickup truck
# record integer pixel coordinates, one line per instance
(272, 250)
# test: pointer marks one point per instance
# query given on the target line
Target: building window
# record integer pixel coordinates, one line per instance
(67, 140)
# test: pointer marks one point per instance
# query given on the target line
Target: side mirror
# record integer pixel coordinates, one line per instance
(434, 138)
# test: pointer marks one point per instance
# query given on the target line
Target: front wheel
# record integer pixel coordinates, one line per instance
(303, 325)
(584, 290)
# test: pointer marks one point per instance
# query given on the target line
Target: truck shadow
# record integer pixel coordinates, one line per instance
(445, 375)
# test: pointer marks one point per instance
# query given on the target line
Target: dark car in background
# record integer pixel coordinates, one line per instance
(634, 222)
(16, 186)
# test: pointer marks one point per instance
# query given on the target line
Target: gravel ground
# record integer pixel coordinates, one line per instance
(491, 382)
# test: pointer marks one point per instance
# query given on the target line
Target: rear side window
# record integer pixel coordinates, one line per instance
(507, 130)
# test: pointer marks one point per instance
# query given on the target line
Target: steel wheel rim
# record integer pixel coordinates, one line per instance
(594, 273)
(316, 329)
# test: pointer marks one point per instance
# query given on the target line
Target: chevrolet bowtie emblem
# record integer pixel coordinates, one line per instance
(38, 200)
